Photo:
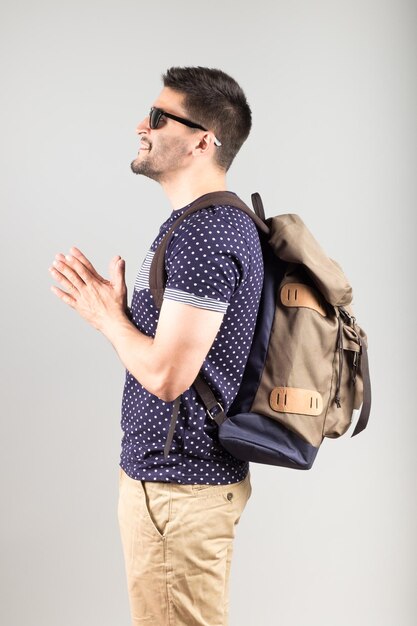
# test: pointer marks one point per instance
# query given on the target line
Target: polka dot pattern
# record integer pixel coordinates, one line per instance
(214, 261)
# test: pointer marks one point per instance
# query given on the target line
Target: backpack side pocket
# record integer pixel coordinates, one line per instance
(346, 390)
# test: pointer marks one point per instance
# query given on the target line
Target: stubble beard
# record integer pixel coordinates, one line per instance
(143, 165)
(158, 163)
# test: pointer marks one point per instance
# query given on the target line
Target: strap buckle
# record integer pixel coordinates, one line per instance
(209, 411)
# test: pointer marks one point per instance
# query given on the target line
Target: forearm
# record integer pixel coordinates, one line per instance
(137, 353)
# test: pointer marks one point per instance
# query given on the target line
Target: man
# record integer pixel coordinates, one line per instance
(178, 513)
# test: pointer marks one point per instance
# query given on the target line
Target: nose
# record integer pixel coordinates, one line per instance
(143, 125)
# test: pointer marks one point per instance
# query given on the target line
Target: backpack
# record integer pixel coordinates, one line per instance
(308, 363)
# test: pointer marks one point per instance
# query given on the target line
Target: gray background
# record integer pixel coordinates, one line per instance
(332, 85)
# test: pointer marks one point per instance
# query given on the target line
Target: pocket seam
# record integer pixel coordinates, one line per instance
(148, 513)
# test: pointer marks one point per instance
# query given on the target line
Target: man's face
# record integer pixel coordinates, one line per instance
(165, 150)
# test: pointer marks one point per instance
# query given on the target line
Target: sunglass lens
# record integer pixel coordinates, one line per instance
(154, 117)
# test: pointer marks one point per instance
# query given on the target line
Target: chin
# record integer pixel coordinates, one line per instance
(135, 166)
(140, 168)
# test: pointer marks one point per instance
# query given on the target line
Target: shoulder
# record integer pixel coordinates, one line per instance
(238, 221)
(224, 224)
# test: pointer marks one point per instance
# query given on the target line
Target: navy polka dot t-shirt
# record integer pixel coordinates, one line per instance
(213, 261)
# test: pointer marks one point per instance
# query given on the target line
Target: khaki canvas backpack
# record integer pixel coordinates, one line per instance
(308, 365)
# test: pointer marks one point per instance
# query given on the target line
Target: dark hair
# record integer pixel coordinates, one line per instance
(214, 100)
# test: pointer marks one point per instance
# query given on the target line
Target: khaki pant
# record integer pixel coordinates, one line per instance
(177, 542)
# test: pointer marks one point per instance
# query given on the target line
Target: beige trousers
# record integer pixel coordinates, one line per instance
(177, 542)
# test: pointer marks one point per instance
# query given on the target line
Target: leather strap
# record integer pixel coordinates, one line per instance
(296, 400)
(210, 402)
(258, 205)
(300, 294)
(366, 403)
(171, 430)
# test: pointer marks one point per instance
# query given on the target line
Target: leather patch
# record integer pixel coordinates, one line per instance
(299, 294)
(296, 400)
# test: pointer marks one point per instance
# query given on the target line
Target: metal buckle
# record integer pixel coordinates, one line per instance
(209, 412)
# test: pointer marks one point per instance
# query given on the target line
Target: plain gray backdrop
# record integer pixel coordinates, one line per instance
(332, 86)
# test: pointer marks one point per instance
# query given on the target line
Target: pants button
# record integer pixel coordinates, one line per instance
(230, 496)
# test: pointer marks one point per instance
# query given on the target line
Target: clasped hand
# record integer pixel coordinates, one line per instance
(97, 300)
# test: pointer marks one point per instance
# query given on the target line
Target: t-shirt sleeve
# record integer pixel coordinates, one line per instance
(204, 263)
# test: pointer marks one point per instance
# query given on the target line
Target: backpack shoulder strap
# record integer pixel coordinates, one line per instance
(157, 275)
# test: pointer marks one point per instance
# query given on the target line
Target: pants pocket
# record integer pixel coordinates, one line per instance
(157, 504)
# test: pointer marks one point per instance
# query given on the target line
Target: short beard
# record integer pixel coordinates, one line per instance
(146, 169)
(159, 167)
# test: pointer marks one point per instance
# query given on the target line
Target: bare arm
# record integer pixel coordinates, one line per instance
(168, 364)
(165, 365)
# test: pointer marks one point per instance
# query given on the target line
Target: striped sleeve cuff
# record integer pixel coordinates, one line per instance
(198, 301)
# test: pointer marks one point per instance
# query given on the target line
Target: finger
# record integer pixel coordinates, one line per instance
(64, 282)
(65, 297)
(120, 274)
(121, 266)
(65, 274)
(71, 259)
(82, 271)
(83, 259)
(112, 267)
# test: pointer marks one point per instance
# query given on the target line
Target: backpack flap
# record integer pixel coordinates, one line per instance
(293, 242)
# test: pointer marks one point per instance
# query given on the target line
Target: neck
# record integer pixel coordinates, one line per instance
(184, 189)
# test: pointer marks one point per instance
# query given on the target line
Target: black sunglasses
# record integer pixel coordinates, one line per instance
(155, 116)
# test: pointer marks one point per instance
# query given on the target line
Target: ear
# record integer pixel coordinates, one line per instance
(204, 144)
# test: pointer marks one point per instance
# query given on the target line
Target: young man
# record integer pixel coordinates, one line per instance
(178, 513)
